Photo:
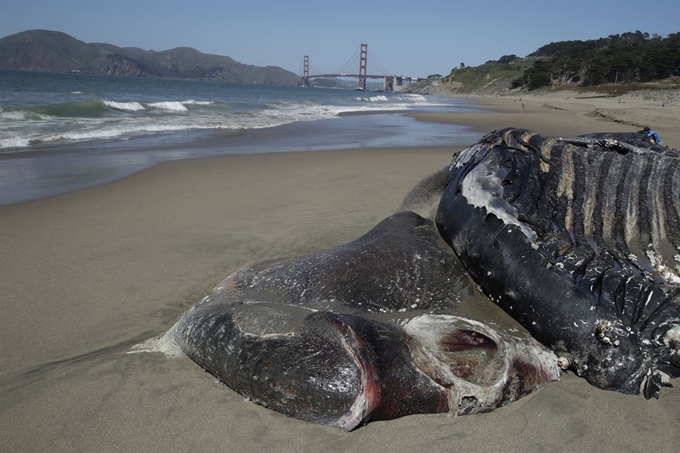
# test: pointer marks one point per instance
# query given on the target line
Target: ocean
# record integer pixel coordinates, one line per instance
(63, 132)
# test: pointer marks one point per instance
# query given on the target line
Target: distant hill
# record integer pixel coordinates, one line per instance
(52, 51)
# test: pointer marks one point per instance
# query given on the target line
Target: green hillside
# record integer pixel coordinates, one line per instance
(43, 50)
(612, 65)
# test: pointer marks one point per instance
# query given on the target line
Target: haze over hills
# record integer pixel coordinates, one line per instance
(52, 51)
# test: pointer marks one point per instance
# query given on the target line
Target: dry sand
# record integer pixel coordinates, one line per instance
(565, 113)
(86, 275)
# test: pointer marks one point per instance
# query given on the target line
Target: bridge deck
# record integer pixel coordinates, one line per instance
(368, 76)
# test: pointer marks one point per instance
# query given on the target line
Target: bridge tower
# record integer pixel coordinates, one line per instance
(363, 59)
(305, 72)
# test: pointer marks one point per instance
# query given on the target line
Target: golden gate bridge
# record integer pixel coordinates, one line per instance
(390, 82)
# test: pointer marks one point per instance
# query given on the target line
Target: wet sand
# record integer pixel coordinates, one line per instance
(86, 275)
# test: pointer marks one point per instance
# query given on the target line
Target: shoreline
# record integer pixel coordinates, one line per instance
(44, 174)
(87, 274)
(33, 175)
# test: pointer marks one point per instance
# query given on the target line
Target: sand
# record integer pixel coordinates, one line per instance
(565, 113)
(86, 275)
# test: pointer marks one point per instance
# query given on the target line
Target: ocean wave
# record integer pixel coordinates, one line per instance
(169, 105)
(133, 119)
(192, 102)
(380, 98)
(91, 108)
(13, 114)
(14, 142)
(129, 106)
(94, 108)
(20, 115)
(108, 133)
(283, 113)
(417, 98)
(119, 115)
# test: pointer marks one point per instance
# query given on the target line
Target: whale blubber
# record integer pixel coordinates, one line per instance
(576, 238)
(365, 331)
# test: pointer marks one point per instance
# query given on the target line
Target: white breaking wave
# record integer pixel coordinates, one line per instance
(381, 98)
(21, 115)
(15, 115)
(130, 106)
(121, 130)
(14, 142)
(117, 132)
(417, 98)
(306, 112)
(176, 106)
(192, 102)
(169, 105)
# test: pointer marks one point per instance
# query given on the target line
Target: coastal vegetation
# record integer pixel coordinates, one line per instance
(490, 76)
(612, 66)
(626, 58)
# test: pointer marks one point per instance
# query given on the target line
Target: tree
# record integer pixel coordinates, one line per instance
(538, 75)
(462, 65)
(505, 59)
(626, 58)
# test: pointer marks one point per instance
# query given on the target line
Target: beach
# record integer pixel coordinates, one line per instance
(88, 274)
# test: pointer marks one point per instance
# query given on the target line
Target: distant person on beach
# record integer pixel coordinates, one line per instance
(653, 135)
(663, 103)
(522, 106)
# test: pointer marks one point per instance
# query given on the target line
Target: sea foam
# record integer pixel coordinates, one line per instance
(192, 102)
(130, 106)
(14, 142)
(169, 105)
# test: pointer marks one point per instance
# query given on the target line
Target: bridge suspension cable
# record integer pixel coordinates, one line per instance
(314, 69)
(374, 60)
(349, 62)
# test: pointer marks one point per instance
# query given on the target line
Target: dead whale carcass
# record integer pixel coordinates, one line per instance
(366, 331)
(579, 240)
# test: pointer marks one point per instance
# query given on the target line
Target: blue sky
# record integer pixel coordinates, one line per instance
(412, 38)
